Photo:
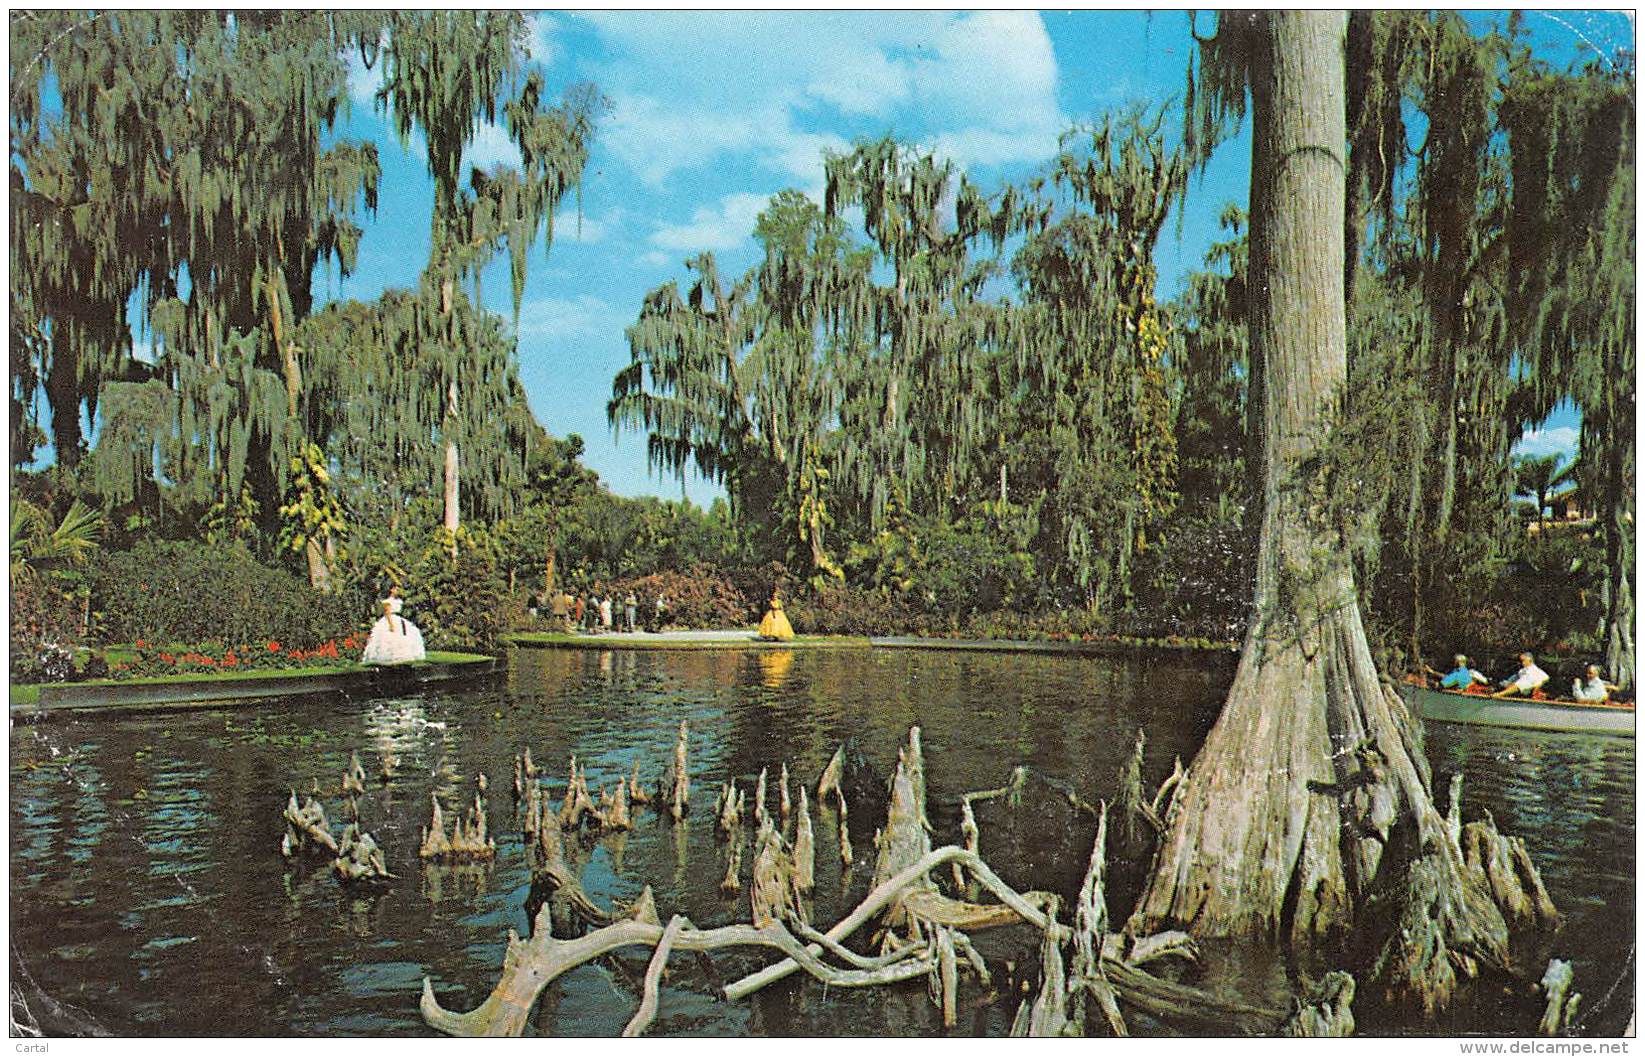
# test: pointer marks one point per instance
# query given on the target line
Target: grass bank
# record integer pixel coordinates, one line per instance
(29, 693)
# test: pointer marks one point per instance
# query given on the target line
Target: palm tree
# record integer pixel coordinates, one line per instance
(1540, 476)
(38, 547)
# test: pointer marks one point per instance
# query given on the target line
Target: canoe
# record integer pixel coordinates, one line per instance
(1448, 706)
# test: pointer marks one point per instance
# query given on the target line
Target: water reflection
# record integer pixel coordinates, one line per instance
(146, 870)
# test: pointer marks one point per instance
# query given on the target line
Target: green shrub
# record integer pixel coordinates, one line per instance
(458, 603)
(163, 591)
(852, 611)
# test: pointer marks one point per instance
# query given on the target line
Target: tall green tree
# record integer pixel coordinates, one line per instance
(740, 381)
(927, 334)
(1264, 835)
(446, 72)
(1570, 281)
(181, 163)
(1093, 372)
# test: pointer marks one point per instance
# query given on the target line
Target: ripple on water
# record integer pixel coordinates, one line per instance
(190, 878)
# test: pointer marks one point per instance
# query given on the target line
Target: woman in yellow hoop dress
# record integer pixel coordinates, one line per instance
(775, 627)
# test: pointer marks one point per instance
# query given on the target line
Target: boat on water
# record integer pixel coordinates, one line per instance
(1451, 706)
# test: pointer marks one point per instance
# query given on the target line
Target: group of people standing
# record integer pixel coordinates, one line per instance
(597, 612)
(1528, 681)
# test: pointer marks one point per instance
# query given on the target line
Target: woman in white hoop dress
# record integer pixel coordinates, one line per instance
(394, 639)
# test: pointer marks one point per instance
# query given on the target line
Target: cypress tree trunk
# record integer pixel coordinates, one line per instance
(1312, 770)
(451, 490)
(1617, 511)
(63, 394)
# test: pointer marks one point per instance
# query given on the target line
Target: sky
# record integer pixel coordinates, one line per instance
(711, 113)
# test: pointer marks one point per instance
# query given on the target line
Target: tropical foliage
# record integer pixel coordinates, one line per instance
(930, 404)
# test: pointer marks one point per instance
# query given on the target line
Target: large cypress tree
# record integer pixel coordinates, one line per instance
(1311, 783)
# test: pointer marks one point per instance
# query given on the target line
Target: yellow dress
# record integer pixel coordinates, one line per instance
(775, 624)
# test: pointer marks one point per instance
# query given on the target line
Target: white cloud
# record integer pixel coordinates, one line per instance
(1561, 439)
(586, 230)
(693, 89)
(490, 146)
(585, 316)
(725, 226)
(868, 83)
(655, 140)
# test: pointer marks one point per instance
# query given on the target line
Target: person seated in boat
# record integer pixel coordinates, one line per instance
(1592, 687)
(1527, 681)
(393, 639)
(1461, 677)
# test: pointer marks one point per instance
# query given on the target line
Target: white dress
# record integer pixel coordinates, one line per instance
(394, 639)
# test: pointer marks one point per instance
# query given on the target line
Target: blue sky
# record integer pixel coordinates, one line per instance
(714, 112)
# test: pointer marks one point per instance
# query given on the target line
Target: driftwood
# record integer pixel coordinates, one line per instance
(653, 978)
(760, 815)
(1326, 1013)
(530, 965)
(307, 832)
(1561, 1002)
(359, 858)
(786, 807)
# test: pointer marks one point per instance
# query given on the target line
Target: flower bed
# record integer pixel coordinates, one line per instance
(144, 659)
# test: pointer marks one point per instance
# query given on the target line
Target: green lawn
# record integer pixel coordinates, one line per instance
(29, 693)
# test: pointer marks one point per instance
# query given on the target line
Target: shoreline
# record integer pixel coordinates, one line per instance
(745, 639)
(31, 702)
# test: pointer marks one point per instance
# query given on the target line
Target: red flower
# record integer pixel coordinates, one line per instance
(140, 644)
(231, 661)
(274, 647)
(168, 658)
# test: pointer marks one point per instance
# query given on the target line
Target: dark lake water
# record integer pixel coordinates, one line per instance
(148, 895)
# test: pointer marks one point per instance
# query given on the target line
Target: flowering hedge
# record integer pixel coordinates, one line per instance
(148, 659)
(164, 591)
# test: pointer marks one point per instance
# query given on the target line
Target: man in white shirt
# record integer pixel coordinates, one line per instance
(1526, 681)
